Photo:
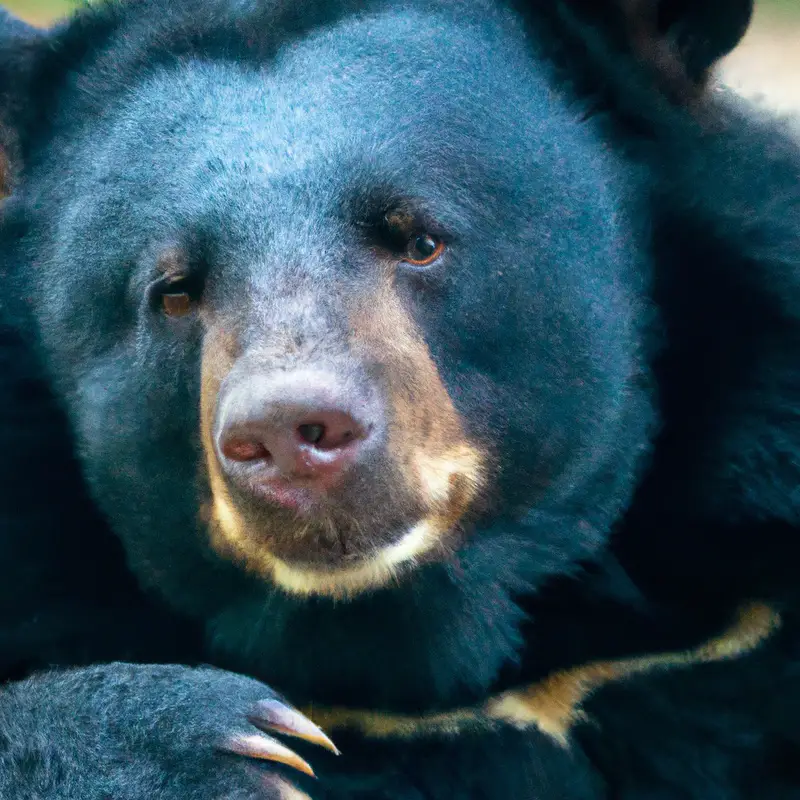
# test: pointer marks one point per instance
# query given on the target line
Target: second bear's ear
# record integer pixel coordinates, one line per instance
(681, 39)
(19, 46)
(34, 66)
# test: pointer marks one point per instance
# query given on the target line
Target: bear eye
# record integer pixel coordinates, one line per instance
(177, 296)
(423, 249)
(176, 304)
(180, 284)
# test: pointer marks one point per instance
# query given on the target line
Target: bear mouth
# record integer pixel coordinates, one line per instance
(307, 570)
(303, 500)
(384, 566)
(307, 548)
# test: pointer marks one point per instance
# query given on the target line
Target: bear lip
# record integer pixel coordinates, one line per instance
(287, 494)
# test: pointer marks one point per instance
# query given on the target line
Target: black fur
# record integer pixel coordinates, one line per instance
(616, 322)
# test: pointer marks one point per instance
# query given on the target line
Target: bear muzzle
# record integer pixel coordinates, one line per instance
(292, 439)
(334, 465)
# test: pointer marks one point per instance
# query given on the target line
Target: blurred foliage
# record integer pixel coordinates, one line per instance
(40, 11)
(783, 5)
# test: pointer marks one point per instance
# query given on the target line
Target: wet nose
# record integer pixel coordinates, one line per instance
(284, 436)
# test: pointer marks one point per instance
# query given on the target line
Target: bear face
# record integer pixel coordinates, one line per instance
(354, 312)
(340, 239)
(350, 314)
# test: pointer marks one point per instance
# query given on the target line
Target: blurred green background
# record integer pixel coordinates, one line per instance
(766, 65)
(39, 11)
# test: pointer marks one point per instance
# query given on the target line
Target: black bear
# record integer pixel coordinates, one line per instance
(434, 363)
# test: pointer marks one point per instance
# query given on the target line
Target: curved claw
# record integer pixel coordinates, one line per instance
(266, 748)
(273, 715)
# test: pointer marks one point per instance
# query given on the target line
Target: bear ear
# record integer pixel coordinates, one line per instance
(700, 32)
(19, 44)
(680, 39)
(693, 34)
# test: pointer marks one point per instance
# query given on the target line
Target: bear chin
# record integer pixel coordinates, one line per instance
(383, 566)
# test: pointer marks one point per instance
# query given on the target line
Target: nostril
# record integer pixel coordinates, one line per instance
(244, 450)
(312, 433)
(334, 431)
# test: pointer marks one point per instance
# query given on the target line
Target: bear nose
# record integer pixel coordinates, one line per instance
(298, 441)
(292, 435)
